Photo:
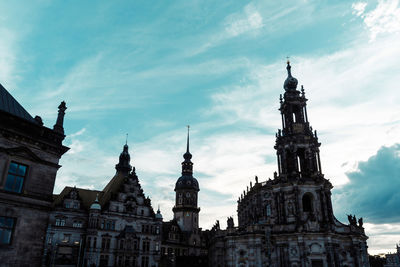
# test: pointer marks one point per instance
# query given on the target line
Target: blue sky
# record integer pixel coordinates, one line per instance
(149, 68)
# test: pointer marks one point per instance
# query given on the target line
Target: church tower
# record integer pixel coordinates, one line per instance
(186, 212)
(296, 144)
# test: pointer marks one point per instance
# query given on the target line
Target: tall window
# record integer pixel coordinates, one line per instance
(307, 202)
(6, 229)
(15, 177)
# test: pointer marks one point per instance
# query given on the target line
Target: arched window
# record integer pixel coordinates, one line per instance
(307, 202)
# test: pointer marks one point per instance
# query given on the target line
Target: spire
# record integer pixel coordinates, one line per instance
(187, 165)
(187, 155)
(123, 165)
(58, 127)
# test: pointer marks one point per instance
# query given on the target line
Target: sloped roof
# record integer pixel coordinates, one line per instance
(10, 105)
(87, 196)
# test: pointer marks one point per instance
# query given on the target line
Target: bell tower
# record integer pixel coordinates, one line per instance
(297, 145)
(186, 211)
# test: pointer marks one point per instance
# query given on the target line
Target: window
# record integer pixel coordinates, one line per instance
(66, 205)
(146, 246)
(77, 224)
(50, 239)
(15, 177)
(307, 202)
(145, 261)
(66, 238)
(268, 210)
(6, 229)
(60, 222)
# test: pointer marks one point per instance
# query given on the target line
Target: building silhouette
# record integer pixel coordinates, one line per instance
(29, 157)
(289, 220)
(284, 221)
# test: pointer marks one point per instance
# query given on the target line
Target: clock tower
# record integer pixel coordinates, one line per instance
(186, 212)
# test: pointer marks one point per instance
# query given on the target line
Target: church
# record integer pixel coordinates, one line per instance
(289, 220)
(284, 221)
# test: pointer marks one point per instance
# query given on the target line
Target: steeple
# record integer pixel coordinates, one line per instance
(296, 144)
(186, 211)
(123, 165)
(187, 165)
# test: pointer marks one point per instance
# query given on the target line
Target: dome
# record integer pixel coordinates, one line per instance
(290, 82)
(96, 205)
(187, 182)
(158, 214)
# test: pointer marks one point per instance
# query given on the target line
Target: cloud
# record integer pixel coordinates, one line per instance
(382, 237)
(384, 19)
(373, 189)
(242, 23)
(358, 8)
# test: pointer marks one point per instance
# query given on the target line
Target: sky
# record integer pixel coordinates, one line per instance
(149, 68)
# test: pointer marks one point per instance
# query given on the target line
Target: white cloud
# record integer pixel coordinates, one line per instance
(382, 237)
(384, 19)
(241, 23)
(358, 8)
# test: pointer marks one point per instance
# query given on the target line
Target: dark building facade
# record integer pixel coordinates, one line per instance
(29, 156)
(289, 220)
(284, 221)
(113, 227)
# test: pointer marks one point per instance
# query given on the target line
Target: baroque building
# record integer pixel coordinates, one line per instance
(113, 227)
(284, 221)
(289, 220)
(29, 157)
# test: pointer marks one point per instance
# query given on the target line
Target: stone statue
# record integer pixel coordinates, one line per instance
(230, 223)
(360, 222)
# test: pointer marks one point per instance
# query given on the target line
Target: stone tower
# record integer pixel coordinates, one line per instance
(186, 211)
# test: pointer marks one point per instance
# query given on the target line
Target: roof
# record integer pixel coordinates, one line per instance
(87, 196)
(10, 105)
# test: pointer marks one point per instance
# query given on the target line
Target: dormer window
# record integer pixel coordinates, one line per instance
(15, 178)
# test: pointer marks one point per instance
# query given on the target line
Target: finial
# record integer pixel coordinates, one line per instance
(302, 91)
(187, 145)
(280, 98)
(58, 127)
(256, 179)
(158, 210)
(126, 140)
(287, 60)
(251, 184)
(288, 67)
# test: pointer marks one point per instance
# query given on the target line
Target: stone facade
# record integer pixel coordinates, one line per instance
(29, 156)
(289, 220)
